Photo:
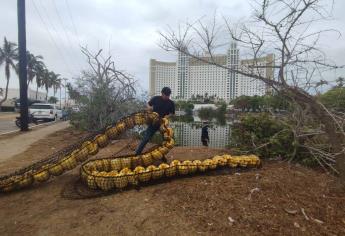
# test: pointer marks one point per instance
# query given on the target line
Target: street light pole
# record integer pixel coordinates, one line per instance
(23, 87)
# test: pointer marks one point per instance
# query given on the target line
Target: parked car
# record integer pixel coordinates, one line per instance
(45, 111)
(75, 109)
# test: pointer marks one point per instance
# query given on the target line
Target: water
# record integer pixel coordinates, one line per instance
(187, 132)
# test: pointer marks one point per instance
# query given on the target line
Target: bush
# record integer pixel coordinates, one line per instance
(206, 113)
(187, 107)
(334, 99)
(262, 135)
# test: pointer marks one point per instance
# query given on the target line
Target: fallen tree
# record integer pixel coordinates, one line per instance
(285, 28)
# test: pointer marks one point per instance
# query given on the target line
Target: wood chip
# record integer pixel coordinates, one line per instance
(317, 221)
(305, 215)
(231, 221)
(292, 212)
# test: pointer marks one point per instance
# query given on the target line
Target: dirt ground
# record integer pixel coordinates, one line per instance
(278, 199)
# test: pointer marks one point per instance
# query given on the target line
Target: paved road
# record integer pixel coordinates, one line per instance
(9, 146)
(7, 121)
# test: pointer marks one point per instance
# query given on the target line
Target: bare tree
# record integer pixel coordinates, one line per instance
(290, 30)
(104, 92)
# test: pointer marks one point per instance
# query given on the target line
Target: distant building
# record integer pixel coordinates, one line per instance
(13, 94)
(162, 74)
(249, 86)
(190, 77)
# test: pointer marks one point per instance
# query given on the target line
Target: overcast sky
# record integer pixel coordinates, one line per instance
(128, 29)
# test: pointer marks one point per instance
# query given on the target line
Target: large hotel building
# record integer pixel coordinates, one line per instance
(190, 77)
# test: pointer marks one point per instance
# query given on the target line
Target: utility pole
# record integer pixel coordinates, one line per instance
(24, 117)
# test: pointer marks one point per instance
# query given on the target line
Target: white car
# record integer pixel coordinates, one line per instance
(75, 109)
(45, 111)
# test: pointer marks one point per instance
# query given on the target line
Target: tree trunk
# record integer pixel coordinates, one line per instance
(6, 91)
(36, 92)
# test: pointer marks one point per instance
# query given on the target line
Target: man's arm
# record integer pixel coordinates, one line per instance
(172, 112)
(149, 105)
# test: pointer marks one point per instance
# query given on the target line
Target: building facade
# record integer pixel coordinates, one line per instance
(14, 93)
(190, 77)
(162, 74)
(249, 86)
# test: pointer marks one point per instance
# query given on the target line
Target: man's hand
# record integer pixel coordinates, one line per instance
(148, 107)
(168, 116)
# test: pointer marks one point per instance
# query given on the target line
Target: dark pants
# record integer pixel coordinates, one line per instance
(149, 132)
(204, 142)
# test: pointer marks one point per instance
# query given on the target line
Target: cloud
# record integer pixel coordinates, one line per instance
(128, 29)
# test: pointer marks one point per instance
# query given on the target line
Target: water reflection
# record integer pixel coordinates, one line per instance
(187, 131)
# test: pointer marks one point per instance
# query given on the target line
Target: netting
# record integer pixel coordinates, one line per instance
(121, 171)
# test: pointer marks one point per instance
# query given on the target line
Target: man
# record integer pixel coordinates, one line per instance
(164, 107)
(204, 135)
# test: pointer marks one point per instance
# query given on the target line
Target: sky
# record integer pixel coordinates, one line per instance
(128, 30)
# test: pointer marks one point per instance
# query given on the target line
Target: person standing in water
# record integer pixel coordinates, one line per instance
(205, 139)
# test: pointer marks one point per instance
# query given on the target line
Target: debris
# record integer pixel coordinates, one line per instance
(299, 227)
(305, 215)
(251, 192)
(257, 176)
(237, 173)
(231, 221)
(292, 212)
(317, 220)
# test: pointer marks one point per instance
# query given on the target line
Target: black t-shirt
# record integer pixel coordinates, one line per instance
(161, 106)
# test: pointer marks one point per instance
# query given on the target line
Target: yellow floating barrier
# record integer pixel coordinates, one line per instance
(117, 173)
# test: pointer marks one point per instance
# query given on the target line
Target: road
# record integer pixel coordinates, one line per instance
(9, 146)
(7, 122)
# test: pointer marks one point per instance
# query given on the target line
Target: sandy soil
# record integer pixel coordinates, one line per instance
(266, 201)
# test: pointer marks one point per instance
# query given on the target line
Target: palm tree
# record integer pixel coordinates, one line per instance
(8, 54)
(51, 80)
(55, 82)
(46, 80)
(34, 64)
(39, 73)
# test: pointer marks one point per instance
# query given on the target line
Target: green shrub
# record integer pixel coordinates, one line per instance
(262, 135)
